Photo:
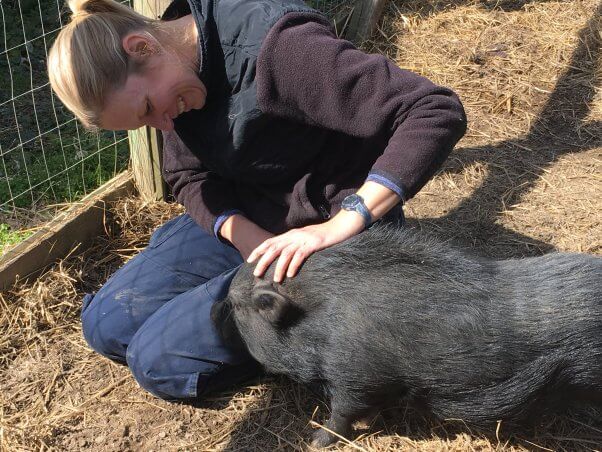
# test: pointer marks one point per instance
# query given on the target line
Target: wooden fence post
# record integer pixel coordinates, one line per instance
(146, 142)
(366, 14)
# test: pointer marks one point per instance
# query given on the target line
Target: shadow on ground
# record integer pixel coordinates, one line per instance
(560, 129)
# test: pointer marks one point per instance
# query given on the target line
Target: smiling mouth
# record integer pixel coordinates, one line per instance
(181, 105)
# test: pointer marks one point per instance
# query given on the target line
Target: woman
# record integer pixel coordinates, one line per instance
(279, 139)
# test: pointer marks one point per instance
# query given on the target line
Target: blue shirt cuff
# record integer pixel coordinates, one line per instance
(379, 178)
(220, 220)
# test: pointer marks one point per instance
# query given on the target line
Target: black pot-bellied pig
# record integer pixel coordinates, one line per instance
(393, 312)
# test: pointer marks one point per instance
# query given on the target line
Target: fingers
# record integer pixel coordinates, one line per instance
(267, 253)
(285, 252)
(257, 252)
(291, 249)
(283, 263)
(295, 264)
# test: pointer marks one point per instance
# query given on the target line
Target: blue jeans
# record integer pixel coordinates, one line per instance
(154, 314)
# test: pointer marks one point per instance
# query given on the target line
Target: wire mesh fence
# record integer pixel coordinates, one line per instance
(47, 160)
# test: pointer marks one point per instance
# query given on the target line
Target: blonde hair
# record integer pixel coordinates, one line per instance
(87, 60)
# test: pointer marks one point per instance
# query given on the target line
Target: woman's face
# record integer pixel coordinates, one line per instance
(163, 90)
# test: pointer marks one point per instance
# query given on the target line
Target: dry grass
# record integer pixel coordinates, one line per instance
(527, 174)
(525, 180)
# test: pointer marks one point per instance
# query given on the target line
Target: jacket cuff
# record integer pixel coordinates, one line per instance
(389, 182)
(219, 221)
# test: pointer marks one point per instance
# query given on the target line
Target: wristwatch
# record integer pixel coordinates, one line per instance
(355, 203)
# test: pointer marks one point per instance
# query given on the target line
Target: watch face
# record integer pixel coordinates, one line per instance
(355, 203)
(350, 202)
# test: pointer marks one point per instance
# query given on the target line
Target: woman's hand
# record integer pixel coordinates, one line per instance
(293, 247)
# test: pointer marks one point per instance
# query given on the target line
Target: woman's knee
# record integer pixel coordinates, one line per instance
(175, 359)
(169, 376)
(178, 349)
(166, 375)
(111, 317)
(104, 326)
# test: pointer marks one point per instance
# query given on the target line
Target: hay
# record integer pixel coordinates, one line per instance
(529, 76)
(525, 179)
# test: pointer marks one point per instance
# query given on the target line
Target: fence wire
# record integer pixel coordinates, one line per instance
(47, 159)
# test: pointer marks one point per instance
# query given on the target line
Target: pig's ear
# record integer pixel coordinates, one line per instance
(274, 306)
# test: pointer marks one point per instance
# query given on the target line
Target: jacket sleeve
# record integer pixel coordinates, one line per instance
(306, 73)
(208, 198)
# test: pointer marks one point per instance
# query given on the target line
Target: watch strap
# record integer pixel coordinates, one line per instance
(355, 203)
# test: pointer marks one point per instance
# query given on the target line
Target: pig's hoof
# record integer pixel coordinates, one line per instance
(322, 438)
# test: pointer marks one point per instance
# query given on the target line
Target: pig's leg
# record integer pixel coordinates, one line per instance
(345, 411)
(337, 423)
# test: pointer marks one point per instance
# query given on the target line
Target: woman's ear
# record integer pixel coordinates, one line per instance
(139, 46)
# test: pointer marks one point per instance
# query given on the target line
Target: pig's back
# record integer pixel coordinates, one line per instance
(393, 297)
(415, 308)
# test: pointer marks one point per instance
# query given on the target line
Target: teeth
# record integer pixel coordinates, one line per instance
(181, 105)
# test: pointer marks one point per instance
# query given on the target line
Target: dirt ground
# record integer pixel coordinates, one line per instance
(525, 180)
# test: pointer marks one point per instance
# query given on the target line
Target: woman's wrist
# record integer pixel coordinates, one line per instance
(243, 233)
(342, 226)
(378, 198)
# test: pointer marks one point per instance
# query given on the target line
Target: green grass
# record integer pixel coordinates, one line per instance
(8, 237)
(62, 174)
(47, 159)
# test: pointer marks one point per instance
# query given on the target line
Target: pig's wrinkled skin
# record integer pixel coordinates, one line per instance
(393, 312)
